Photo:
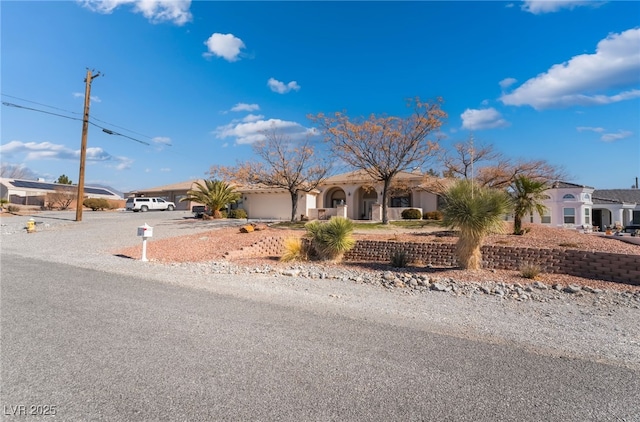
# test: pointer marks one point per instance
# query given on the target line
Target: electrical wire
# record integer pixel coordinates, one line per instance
(105, 130)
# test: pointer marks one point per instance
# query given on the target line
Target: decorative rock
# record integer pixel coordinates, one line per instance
(388, 275)
(291, 273)
(572, 289)
(540, 285)
(438, 287)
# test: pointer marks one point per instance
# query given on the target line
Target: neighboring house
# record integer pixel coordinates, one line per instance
(571, 205)
(173, 193)
(32, 192)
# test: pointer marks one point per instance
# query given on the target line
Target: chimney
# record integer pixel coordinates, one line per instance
(636, 183)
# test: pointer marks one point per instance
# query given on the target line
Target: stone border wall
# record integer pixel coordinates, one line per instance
(619, 268)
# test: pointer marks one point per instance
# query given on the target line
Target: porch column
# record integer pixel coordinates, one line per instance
(376, 212)
(618, 216)
(341, 211)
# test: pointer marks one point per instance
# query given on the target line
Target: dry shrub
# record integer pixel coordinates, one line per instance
(530, 271)
(295, 249)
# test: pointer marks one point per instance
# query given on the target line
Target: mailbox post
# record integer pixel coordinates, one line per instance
(146, 232)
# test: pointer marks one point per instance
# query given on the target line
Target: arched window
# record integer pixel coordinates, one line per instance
(568, 196)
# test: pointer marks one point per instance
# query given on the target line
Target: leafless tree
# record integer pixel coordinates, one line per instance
(282, 163)
(383, 146)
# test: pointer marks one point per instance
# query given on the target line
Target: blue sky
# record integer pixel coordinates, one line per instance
(198, 81)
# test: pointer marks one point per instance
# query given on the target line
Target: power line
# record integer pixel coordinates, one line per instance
(105, 130)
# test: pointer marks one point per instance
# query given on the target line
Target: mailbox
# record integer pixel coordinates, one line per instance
(145, 231)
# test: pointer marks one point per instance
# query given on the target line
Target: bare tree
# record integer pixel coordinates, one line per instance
(383, 146)
(492, 169)
(15, 171)
(460, 162)
(61, 198)
(283, 163)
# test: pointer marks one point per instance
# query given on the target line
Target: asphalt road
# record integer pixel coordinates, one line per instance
(99, 346)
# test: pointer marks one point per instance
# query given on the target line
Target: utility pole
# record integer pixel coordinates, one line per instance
(83, 145)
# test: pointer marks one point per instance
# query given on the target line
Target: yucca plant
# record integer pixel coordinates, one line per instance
(330, 240)
(399, 258)
(476, 212)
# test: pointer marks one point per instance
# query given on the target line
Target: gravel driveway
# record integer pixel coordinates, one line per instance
(595, 326)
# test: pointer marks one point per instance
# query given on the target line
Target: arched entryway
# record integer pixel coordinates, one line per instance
(366, 197)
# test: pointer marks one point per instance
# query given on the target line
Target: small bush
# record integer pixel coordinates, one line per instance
(331, 239)
(530, 271)
(295, 249)
(432, 215)
(399, 259)
(238, 213)
(96, 204)
(411, 214)
(13, 208)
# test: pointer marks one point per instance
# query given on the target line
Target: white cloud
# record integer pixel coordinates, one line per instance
(163, 140)
(589, 128)
(610, 137)
(488, 118)
(165, 170)
(507, 82)
(549, 6)
(227, 46)
(156, 11)
(249, 132)
(587, 79)
(48, 151)
(252, 117)
(92, 98)
(281, 87)
(245, 107)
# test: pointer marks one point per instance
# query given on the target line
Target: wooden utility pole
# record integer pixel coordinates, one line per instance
(83, 145)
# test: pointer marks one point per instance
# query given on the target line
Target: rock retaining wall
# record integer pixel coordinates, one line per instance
(595, 265)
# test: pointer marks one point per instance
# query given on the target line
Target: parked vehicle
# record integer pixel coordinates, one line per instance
(145, 204)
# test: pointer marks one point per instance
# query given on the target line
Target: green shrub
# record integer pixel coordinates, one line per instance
(530, 271)
(411, 214)
(399, 259)
(238, 213)
(432, 215)
(331, 239)
(96, 203)
(13, 208)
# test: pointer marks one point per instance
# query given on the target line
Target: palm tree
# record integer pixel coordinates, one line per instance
(476, 212)
(527, 195)
(214, 194)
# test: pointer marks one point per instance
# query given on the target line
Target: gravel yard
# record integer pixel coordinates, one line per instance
(557, 314)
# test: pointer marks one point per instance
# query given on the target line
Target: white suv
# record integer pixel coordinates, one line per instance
(145, 204)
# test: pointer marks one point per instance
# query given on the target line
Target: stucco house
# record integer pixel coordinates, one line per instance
(571, 205)
(355, 196)
(34, 192)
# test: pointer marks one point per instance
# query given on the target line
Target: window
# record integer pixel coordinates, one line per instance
(546, 218)
(568, 196)
(337, 198)
(587, 216)
(569, 215)
(531, 218)
(587, 197)
(400, 201)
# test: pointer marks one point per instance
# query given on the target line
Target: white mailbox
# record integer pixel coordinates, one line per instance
(145, 231)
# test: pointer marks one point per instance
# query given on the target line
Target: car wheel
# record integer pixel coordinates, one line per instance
(170, 208)
(144, 208)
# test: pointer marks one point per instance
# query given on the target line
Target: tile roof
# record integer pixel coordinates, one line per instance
(616, 195)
